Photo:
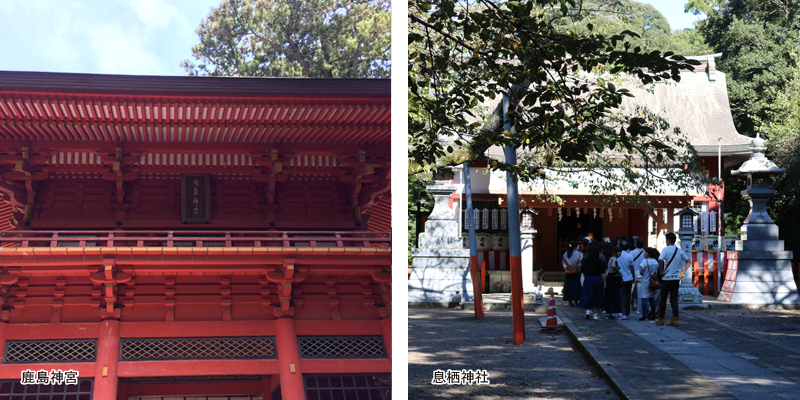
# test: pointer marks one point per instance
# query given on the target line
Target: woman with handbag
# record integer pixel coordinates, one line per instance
(570, 261)
(650, 283)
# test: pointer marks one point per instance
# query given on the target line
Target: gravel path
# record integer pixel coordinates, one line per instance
(547, 366)
(779, 327)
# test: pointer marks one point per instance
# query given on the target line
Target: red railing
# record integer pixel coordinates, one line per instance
(194, 239)
(705, 279)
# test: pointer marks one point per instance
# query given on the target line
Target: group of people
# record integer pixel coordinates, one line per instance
(616, 277)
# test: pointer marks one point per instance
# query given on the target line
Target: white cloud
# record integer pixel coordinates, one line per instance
(117, 50)
(117, 36)
(155, 14)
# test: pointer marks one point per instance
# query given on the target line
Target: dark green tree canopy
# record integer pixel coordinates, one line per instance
(760, 46)
(614, 17)
(295, 38)
(756, 39)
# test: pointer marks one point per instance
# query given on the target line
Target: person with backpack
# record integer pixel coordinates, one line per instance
(614, 283)
(669, 264)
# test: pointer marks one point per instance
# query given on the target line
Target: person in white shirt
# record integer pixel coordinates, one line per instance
(572, 282)
(669, 263)
(637, 252)
(624, 262)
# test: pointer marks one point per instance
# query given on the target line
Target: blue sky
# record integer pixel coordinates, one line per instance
(673, 12)
(140, 37)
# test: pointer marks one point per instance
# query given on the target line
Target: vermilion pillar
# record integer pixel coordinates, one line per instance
(3, 328)
(289, 360)
(105, 376)
(386, 329)
(514, 242)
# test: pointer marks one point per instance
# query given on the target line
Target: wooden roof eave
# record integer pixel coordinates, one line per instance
(321, 88)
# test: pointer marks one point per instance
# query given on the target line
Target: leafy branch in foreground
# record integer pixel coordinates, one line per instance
(566, 89)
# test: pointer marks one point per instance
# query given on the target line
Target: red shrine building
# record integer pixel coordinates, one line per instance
(698, 105)
(194, 237)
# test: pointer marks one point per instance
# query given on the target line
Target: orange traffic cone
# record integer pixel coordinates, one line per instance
(551, 326)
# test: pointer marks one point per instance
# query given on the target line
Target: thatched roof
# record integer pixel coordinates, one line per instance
(699, 105)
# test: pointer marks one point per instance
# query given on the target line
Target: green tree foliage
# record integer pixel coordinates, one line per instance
(759, 41)
(687, 41)
(756, 39)
(614, 17)
(463, 55)
(295, 38)
(706, 7)
(782, 128)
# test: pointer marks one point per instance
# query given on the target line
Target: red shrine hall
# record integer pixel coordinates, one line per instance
(194, 237)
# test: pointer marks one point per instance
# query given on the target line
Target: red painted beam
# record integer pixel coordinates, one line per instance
(191, 258)
(232, 388)
(14, 371)
(131, 369)
(334, 328)
(373, 152)
(310, 223)
(53, 331)
(197, 329)
(349, 366)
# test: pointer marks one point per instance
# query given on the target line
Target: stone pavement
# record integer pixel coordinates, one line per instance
(699, 359)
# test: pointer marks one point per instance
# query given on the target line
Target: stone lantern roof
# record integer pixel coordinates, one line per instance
(758, 162)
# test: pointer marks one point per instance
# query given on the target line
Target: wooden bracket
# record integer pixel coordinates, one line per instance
(226, 301)
(108, 278)
(169, 300)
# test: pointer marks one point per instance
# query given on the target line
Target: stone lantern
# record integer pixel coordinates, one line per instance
(440, 273)
(758, 170)
(686, 216)
(759, 272)
(687, 293)
(526, 219)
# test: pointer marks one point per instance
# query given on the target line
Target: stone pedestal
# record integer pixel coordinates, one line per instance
(687, 293)
(760, 271)
(440, 273)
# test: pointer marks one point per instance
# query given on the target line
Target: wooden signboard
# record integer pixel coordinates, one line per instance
(195, 198)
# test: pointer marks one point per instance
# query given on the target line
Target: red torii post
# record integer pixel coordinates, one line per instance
(515, 252)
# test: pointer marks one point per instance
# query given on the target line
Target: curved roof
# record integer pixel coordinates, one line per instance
(184, 109)
(699, 105)
(311, 116)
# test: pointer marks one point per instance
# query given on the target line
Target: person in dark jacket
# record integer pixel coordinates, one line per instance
(594, 272)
